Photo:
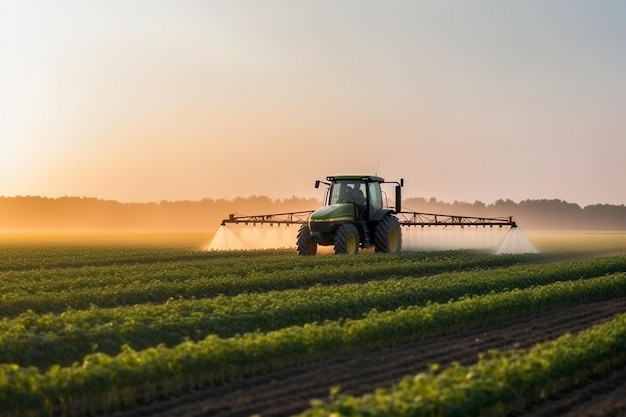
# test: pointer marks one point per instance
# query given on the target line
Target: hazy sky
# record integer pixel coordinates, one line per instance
(148, 100)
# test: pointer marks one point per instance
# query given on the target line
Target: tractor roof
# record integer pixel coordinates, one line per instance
(369, 178)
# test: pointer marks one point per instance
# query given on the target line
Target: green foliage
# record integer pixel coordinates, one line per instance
(46, 339)
(123, 276)
(499, 383)
(214, 359)
(91, 328)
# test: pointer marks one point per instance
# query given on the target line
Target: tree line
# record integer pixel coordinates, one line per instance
(543, 214)
(32, 213)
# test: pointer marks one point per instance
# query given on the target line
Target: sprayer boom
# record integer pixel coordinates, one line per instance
(295, 217)
(405, 218)
(414, 218)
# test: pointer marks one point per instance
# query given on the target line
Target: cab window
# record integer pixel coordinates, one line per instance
(376, 198)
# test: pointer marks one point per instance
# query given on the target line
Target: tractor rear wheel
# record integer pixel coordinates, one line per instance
(305, 246)
(347, 239)
(388, 237)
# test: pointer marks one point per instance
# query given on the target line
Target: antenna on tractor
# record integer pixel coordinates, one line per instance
(377, 165)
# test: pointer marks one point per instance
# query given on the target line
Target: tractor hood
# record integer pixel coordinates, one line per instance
(341, 212)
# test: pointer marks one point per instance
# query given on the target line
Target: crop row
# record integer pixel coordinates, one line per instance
(103, 382)
(23, 256)
(501, 382)
(56, 290)
(49, 256)
(45, 339)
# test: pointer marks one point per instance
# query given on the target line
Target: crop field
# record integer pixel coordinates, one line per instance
(149, 324)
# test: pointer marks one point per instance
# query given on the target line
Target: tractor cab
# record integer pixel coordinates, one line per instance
(361, 192)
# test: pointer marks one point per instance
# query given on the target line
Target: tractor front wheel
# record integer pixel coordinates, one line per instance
(388, 237)
(305, 246)
(347, 239)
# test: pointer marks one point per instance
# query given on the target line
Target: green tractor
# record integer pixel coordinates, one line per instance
(353, 217)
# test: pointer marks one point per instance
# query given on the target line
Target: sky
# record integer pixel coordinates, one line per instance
(150, 100)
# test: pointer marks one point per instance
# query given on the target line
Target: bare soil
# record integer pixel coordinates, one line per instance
(289, 391)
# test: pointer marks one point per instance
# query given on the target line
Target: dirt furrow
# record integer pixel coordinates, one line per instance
(597, 397)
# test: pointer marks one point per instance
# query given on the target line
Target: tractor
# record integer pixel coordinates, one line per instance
(353, 217)
(356, 215)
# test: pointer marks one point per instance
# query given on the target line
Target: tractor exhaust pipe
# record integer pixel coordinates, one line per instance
(399, 197)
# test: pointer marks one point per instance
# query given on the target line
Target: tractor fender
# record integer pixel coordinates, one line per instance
(380, 213)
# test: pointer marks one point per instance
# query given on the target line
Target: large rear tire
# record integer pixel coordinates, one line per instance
(305, 246)
(347, 239)
(388, 237)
